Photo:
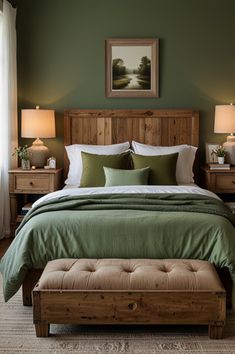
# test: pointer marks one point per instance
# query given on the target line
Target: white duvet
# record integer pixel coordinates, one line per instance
(70, 191)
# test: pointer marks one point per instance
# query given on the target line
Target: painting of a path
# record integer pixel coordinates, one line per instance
(131, 68)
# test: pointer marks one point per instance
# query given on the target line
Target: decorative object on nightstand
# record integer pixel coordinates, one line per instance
(37, 123)
(220, 153)
(51, 162)
(26, 186)
(23, 154)
(210, 157)
(225, 123)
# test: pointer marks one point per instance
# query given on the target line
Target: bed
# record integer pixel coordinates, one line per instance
(121, 222)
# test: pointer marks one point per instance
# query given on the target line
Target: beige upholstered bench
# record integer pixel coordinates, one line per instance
(129, 291)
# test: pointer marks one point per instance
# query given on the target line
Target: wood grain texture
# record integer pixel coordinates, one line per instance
(154, 127)
(219, 181)
(215, 331)
(42, 329)
(129, 307)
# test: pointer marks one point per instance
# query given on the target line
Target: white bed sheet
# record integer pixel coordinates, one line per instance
(71, 191)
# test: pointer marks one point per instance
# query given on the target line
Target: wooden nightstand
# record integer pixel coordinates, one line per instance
(219, 181)
(27, 186)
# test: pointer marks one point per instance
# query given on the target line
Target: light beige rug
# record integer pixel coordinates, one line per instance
(17, 336)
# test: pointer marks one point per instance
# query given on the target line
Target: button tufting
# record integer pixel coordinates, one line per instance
(89, 270)
(164, 270)
(128, 270)
(117, 273)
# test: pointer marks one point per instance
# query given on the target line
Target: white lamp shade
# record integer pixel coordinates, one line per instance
(37, 123)
(224, 119)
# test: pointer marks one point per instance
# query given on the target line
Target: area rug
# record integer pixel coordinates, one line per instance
(17, 335)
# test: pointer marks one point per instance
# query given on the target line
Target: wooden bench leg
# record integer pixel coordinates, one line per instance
(42, 329)
(215, 331)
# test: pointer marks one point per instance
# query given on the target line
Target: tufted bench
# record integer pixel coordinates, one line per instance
(129, 291)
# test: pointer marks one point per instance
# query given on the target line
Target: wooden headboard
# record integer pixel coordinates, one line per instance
(154, 127)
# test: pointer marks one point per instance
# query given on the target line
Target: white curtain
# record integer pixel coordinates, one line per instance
(8, 109)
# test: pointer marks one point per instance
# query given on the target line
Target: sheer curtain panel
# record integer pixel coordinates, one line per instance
(8, 109)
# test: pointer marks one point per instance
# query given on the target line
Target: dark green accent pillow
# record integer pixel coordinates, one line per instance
(162, 167)
(93, 167)
(117, 177)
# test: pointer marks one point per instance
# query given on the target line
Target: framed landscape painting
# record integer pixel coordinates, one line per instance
(131, 67)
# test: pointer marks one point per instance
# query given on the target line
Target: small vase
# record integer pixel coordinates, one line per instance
(221, 160)
(25, 164)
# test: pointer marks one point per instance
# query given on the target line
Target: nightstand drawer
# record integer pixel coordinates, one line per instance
(225, 182)
(26, 183)
(219, 181)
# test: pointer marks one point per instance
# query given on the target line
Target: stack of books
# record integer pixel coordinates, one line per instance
(23, 212)
(26, 208)
(219, 166)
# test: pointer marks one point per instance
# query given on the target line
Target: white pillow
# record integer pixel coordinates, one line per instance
(75, 158)
(184, 166)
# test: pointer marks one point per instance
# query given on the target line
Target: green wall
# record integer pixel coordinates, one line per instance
(61, 55)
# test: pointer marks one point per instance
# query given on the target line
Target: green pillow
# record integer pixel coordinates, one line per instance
(116, 177)
(93, 172)
(162, 167)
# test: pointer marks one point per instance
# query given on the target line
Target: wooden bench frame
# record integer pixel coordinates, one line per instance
(129, 307)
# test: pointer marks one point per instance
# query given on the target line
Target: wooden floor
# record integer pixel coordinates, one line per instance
(4, 244)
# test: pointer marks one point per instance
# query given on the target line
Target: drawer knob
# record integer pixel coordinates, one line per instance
(31, 183)
(132, 306)
(233, 182)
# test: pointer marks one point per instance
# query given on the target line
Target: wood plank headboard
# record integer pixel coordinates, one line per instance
(155, 127)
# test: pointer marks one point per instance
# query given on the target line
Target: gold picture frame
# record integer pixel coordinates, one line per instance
(132, 67)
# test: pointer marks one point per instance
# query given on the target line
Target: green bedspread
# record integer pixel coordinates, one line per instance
(121, 226)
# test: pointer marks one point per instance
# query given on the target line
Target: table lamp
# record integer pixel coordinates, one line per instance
(37, 123)
(225, 123)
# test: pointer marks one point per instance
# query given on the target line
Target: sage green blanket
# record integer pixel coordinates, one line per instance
(121, 226)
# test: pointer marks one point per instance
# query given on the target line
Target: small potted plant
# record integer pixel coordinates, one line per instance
(220, 152)
(23, 154)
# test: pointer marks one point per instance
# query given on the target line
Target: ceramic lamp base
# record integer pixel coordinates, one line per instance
(230, 149)
(38, 154)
